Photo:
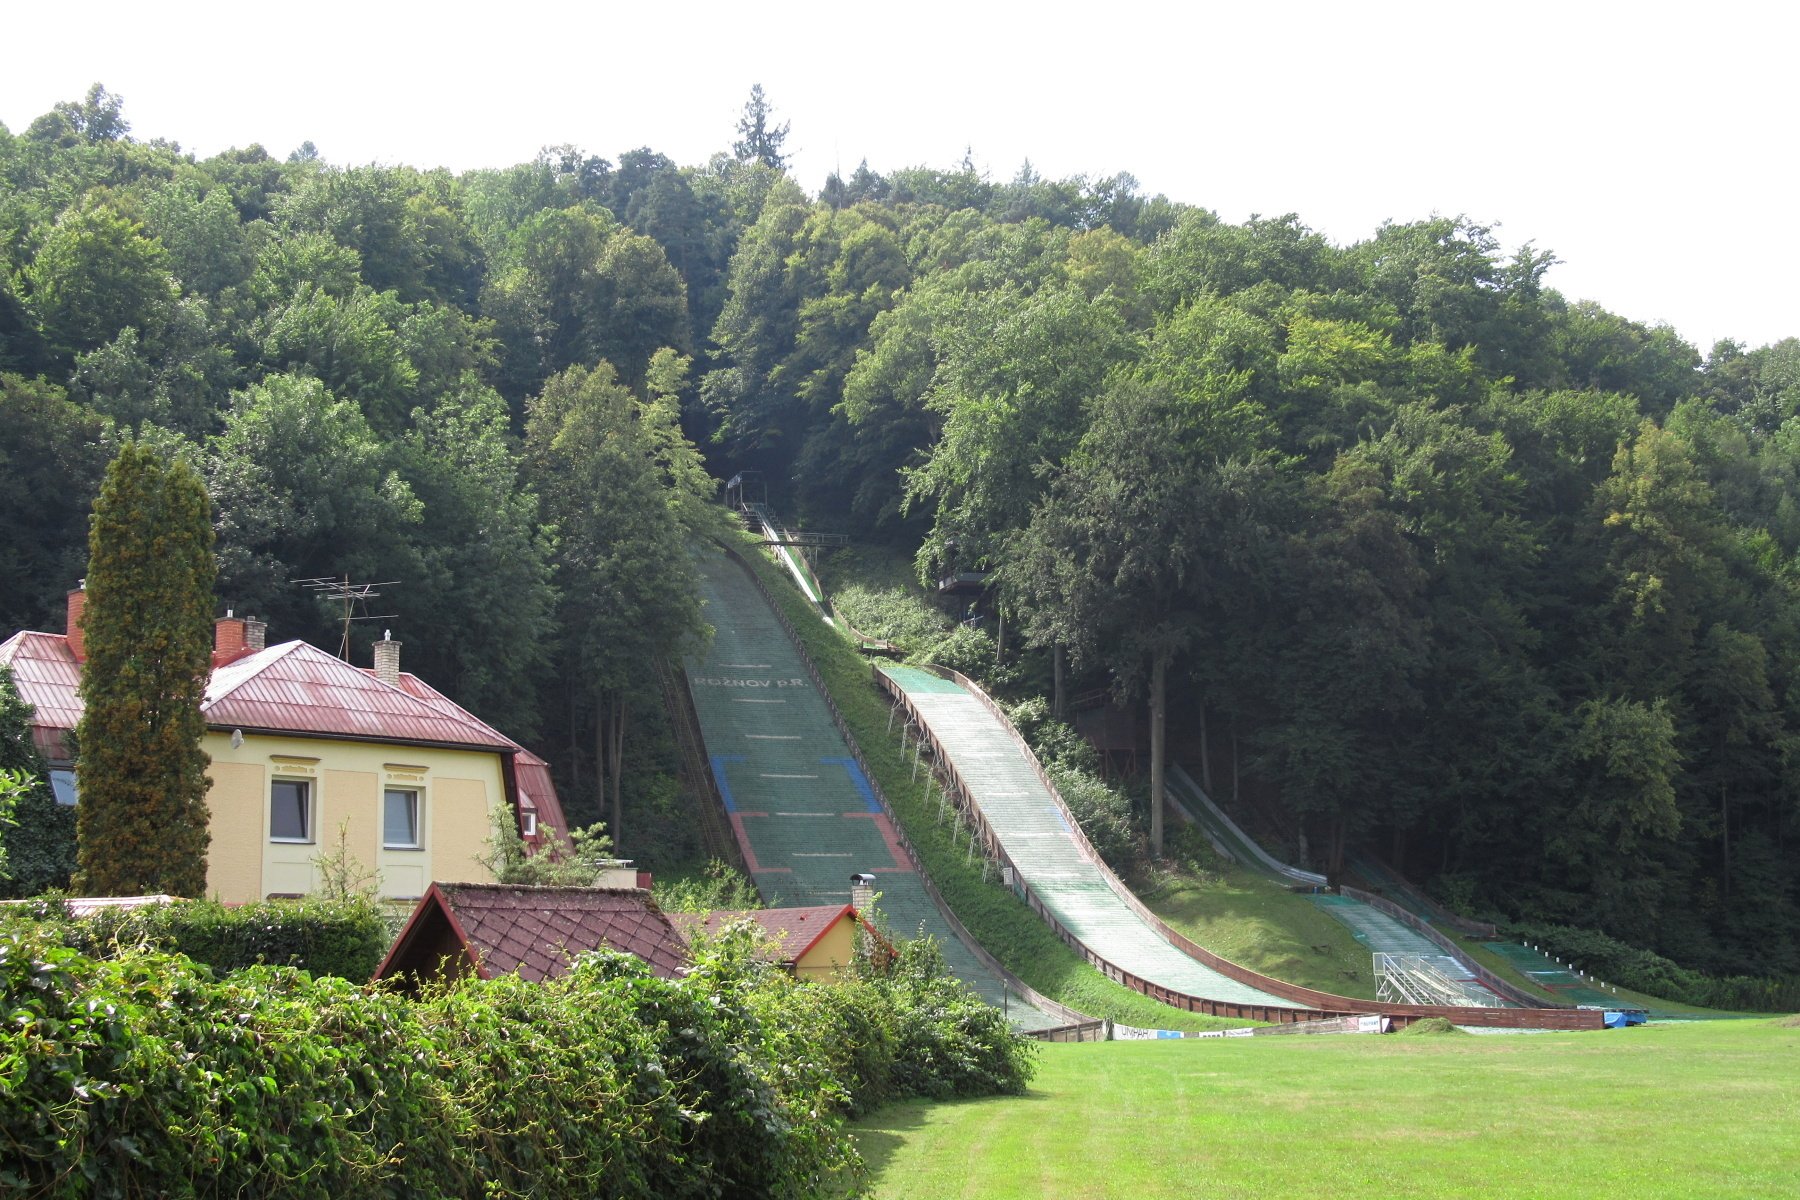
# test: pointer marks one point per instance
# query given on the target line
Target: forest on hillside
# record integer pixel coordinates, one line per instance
(1441, 562)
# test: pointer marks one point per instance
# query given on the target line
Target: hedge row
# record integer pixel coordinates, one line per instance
(326, 937)
(147, 1074)
(1646, 971)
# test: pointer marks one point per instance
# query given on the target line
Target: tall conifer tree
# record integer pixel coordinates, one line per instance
(142, 816)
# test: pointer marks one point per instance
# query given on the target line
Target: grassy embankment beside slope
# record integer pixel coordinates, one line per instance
(1689, 1110)
(1000, 921)
(1257, 923)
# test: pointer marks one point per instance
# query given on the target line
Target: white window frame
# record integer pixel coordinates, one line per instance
(63, 779)
(418, 817)
(528, 823)
(308, 811)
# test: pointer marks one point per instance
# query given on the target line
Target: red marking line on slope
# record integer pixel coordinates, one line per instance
(737, 825)
(885, 827)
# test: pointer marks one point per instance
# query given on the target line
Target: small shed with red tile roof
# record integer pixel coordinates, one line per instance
(811, 943)
(535, 932)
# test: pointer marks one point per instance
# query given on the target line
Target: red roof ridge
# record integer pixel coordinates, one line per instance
(779, 924)
(524, 928)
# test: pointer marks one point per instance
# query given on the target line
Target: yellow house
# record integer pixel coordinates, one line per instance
(809, 943)
(310, 753)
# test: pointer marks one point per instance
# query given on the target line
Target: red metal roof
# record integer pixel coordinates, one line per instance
(48, 678)
(533, 931)
(536, 789)
(297, 688)
(791, 931)
(290, 688)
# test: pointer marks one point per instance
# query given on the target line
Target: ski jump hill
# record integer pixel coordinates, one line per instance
(1024, 824)
(801, 804)
(807, 816)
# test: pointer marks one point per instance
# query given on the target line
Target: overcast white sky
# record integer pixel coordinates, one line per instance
(1653, 148)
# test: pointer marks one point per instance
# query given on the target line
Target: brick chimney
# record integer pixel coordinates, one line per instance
(862, 890)
(387, 659)
(862, 895)
(77, 606)
(256, 634)
(228, 638)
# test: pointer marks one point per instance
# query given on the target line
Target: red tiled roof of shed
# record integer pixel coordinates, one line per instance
(791, 931)
(533, 931)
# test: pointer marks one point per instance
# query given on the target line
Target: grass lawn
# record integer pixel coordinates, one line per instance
(1259, 924)
(1664, 1111)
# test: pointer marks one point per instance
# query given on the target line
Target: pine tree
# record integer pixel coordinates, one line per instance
(761, 140)
(143, 816)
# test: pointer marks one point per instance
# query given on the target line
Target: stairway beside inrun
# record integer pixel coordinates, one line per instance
(1031, 826)
(800, 806)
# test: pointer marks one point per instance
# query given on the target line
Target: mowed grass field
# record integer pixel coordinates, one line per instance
(1664, 1111)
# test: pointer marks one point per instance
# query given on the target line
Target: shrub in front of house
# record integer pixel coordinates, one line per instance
(346, 938)
(145, 1073)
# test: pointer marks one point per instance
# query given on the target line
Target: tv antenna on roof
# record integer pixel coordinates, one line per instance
(349, 595)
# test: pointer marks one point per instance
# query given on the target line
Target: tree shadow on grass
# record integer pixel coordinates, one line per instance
(880, 1135)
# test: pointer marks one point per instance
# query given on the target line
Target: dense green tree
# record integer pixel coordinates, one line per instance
(350, 344)
(94, 274)
(99, 117)
(616, 477)
(209, 249)
(478, 605)
(1139, 542)
(755, 331)
(175, 377)
(640, 305)
(305, 488)
(1626, 763)
(148, 630)
(1013, 376)
(52, 456)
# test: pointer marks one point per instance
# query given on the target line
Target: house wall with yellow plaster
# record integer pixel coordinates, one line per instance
(831, 955)
(344, 784)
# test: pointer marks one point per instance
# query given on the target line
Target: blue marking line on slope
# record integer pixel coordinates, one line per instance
(856, 776)
(718, 770)
(1060, 819)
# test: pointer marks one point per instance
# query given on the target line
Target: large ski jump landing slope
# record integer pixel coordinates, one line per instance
(802, 810)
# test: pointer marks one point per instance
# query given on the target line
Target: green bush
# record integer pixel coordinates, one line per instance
(40, 848)
(948, 1041)
(347, 938)
(1645, 971)
(146, 1073)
